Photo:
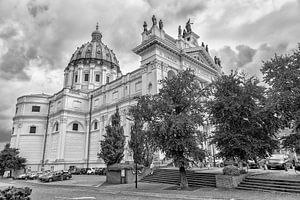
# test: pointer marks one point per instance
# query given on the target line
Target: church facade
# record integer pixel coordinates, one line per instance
(65, 129)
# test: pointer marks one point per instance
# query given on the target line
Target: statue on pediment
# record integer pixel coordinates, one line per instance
(188, 26)
(154, 20)
(160, 24)
(145, 26)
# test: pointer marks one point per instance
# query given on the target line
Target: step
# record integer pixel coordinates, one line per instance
(271, 182)
(269, 185)
(275, 180)
(268, 189)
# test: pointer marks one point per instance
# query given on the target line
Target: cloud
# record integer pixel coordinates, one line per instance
(247, 59)
(34, 8)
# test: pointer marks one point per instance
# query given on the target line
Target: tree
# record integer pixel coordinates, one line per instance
(112, 147)
(141, 142)
(282, 74)
(177, 115)
(10, 159)
(245, 127)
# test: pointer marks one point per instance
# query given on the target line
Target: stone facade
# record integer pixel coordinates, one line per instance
(65, 129)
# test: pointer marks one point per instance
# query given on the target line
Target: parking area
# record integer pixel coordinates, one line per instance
(76, 180)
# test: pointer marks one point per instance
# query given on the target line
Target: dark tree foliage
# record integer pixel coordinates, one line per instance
(282, 74)
(112, 147)
(10, 159)
(177, 115)
(141, 142)
(245, 128)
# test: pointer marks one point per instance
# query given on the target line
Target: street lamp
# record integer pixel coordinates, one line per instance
(135, 147)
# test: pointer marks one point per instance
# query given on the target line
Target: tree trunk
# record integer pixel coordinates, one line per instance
(183, 179)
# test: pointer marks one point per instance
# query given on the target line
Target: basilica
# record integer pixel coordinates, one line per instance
(65, 129)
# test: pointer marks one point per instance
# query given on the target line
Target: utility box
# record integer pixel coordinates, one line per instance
(123, 173)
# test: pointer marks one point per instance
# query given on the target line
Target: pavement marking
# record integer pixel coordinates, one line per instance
(75, 198)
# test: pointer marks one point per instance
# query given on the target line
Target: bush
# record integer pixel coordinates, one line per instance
(231, 170)
(13, 193)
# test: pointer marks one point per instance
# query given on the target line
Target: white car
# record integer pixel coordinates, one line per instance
(91, 171)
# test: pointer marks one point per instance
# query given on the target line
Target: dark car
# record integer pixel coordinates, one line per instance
(100, 171)
(66, 175)
(52, 176)
(279, 161)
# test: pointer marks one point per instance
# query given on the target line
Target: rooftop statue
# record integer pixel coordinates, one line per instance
(145, 26)
(179, 30)
(188, 26)
(160, 24)
(154, 20)
(184, 33)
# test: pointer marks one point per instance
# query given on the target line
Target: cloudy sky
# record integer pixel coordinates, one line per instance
(37, 37)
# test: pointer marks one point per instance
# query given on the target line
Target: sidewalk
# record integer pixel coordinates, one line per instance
(163, 191)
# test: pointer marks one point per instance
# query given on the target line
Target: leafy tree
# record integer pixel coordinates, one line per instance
(10, 159)
(282, 74)
(245, 128)
(112, 147)
(141, 142)
(177, 116)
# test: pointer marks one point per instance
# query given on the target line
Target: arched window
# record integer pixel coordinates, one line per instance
(171, 74)
(75, 127)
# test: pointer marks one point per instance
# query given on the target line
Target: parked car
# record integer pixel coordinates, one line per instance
(100, 171)
(84, 170)
(23, 176)
(66, 175)
(279, 161)
(233, 162)
(76, 171)
(51, 176)
(253, 165)
(91, 171)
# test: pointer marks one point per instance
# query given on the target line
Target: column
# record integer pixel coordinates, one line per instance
(62, 138)
(86, 141)
(91, 80)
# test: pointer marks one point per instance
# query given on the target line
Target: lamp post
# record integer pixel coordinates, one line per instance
(135, 151)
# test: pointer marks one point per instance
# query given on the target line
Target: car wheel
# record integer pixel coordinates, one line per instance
(268, 167)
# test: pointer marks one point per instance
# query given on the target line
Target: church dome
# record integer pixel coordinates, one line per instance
(95, 50)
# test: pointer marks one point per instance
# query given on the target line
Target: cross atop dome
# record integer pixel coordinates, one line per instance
(96, 35)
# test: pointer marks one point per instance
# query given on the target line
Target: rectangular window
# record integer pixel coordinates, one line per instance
(95, 126)
(107, 79)
(17, 110)
(86, 77)
(36, 108)
(76, 77)
(97, 78)
(32, 129)
(75, 127)
(13, 130)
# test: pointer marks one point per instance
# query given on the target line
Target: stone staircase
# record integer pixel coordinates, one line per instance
(171, 176)
(263, 184)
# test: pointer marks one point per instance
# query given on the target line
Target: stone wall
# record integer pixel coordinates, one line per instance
(225, 181)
